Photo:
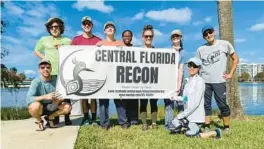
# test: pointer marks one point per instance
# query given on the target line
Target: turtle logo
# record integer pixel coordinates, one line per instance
(80, 85)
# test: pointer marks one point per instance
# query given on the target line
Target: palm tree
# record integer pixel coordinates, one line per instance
(225, 20)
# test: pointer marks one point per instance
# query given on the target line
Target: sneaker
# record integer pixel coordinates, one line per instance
(144, 127)
(94, 123)
(218, 133)
(125, 125)
(106, 127)
(85, 122)
(154, 126)
(206, 129)
(227, 131)
(68, 122)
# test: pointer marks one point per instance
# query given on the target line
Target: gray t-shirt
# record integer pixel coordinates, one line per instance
(214, 60)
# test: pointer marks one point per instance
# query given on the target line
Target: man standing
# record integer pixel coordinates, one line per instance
(130, 104)
(109, 30)
(87, 38)
(214, 56)
(41, 95)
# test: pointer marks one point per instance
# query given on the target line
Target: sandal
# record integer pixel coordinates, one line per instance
(51, 123)
(40, 126)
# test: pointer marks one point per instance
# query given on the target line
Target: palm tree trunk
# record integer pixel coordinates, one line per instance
(225, 20)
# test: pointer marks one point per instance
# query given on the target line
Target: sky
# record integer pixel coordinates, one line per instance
(26, 25)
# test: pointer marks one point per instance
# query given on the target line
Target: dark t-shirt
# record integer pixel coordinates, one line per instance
(80, 40)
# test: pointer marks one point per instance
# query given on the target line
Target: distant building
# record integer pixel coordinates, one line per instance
(253, 69)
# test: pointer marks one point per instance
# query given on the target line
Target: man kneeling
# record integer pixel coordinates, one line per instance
(41, 97)
(194, 114)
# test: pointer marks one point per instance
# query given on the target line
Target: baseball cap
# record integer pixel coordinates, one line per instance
(87, 18)
(207, 27)
(50, 20)
(196, 61)
(109, 23)
(44, 61)
(177, 32)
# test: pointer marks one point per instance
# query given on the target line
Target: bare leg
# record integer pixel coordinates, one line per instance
(64, 108)
(35, 110)
(226, 121)
(207, 120)
(207, 135)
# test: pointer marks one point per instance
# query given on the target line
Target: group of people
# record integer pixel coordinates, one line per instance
(207, 72)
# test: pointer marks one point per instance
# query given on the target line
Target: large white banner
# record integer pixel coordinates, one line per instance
(116, 72)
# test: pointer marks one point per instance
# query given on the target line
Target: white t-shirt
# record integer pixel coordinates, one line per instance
(214, 60)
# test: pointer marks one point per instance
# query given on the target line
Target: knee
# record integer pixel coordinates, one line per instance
(34, 108)
(67, 108)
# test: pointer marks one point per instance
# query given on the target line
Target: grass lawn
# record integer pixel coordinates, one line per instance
(14, 113)
(245, 134)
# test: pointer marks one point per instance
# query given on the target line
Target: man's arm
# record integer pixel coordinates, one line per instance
(39, 48)
(39, 54)
(32, 95)
(235, 59)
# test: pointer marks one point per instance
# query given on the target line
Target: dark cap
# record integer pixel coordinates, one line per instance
(207, 27)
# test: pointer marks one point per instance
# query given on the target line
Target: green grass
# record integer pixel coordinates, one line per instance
(245, 134)
(14, 113)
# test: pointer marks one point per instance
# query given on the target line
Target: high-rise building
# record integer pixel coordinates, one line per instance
(253, 69)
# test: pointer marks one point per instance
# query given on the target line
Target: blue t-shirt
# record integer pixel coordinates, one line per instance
(182, 57)
(40, 87)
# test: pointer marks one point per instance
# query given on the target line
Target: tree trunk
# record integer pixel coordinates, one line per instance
(225, 20)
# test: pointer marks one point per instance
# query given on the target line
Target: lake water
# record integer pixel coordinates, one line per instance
(252, 98)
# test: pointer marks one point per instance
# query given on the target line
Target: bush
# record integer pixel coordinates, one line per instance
(14, 113)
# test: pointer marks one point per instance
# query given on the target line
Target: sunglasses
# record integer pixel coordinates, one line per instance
(54, 27)
(175, 36)
(86, 23)
(191, 64)
(206, 33)
(148, 36)
(43, 67)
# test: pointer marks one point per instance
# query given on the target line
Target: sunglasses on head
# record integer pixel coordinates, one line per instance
(148, 36)
(192, 64)
(206, 33)
(87, 23)
(54, 27)
(43, 67)
(175, 36)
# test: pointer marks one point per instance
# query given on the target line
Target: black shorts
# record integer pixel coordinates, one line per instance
(45, 111)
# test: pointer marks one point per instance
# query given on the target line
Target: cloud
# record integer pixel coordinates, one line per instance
(240, 40)
(181, 16)
(30, 30)
(11, 39)
(94, 5)
(19, 55)
(79, 32)
(99, 34)
(157, 32)
(30, 72)
(257, 27)
(193, 36)
(208, 19)
(13, 9)
(197, 23)
(138, 16)
(243, 60)
(136, 41)
(205, 20)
